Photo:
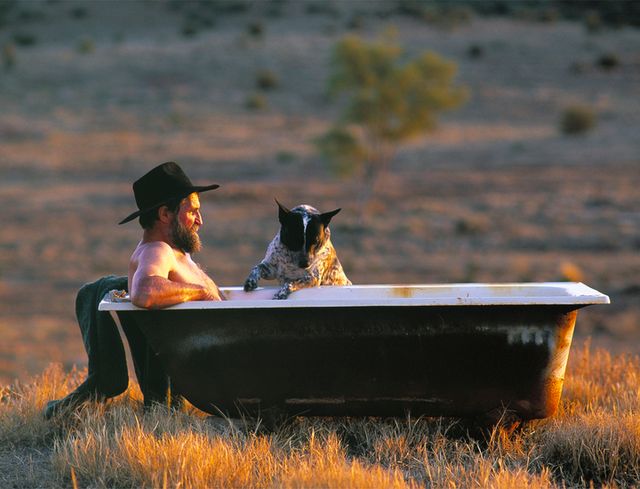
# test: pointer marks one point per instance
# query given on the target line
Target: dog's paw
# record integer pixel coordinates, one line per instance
(250, 284)
(282, 294)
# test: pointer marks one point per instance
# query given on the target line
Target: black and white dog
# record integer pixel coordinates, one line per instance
(301, 254)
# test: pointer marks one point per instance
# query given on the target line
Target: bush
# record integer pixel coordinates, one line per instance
(189, 29)
(577, 119)
(608, 62)
(387, 99)
(549, 15)
(86, 46)
(24, 39)
(475, 51)
(256, 29)
(356, 22)
(256, 101)
(267, 80)
(593, 22)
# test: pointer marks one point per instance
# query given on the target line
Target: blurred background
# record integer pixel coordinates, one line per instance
(465, 141)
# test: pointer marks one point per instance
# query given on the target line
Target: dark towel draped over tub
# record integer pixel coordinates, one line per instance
(108, 375)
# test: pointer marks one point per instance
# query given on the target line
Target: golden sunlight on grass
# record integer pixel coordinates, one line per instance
(594, 438)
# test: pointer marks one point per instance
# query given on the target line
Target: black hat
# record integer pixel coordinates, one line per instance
(160, 185)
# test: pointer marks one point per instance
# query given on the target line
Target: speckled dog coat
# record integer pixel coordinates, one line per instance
(301, 254)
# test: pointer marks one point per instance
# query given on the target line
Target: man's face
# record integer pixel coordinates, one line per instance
(185, 225)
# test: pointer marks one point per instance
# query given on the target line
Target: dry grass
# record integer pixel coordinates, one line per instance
(595, 438)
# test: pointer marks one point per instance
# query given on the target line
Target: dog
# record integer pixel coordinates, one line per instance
(301, 254)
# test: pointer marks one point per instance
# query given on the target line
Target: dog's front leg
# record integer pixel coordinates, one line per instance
(309, 280)
(261, 270)
(287, 288)
(283, 292)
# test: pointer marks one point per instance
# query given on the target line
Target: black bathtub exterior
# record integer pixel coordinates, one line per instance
(372, 360)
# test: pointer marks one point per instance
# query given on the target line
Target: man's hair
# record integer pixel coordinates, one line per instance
(148, 219)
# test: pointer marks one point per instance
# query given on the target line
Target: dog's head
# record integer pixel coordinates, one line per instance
(303, 231)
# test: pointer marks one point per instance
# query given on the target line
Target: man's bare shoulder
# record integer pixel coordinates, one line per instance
(153, 250)
(161, 246)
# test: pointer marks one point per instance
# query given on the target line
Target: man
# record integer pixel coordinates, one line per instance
(161, 273)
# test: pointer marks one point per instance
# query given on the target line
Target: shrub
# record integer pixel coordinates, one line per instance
(24, 39)
(285, 157)
(577, 119)
(593, 21)
(471, 225)
(86, 46)
(266, 80)
(608, 61)
(356, 22)
(475, 51)
(256, 29)
(189, 29)
(389, 100)
(549, 15)
(256, 101)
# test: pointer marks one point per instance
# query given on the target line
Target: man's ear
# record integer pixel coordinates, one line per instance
(325, 217)
(164, 214)
(283, 212)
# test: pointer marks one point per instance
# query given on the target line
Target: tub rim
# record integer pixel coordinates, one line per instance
(393, 295)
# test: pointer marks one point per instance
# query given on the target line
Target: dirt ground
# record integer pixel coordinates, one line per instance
(497, 194)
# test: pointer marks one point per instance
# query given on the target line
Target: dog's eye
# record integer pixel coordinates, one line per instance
(315, 233)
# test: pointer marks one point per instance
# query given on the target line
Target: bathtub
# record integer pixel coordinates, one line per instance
(463, 350)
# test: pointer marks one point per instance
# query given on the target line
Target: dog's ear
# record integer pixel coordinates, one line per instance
(283, 212)
(325, 217)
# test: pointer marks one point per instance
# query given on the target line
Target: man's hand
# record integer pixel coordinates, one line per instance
(214, 294)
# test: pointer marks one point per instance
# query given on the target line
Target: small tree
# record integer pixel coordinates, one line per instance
(388, 102)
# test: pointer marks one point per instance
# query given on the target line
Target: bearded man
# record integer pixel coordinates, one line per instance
(161, 270)
(161, 273)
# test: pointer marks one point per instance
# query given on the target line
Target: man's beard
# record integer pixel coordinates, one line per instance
(184, 238)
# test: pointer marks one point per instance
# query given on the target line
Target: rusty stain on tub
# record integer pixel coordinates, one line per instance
(405, 292)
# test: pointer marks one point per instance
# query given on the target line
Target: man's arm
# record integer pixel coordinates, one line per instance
(150, 284)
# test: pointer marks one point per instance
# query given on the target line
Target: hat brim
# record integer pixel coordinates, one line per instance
(182, 195)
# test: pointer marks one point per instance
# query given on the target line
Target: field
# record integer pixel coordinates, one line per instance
(594, 438)
(93, 94)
